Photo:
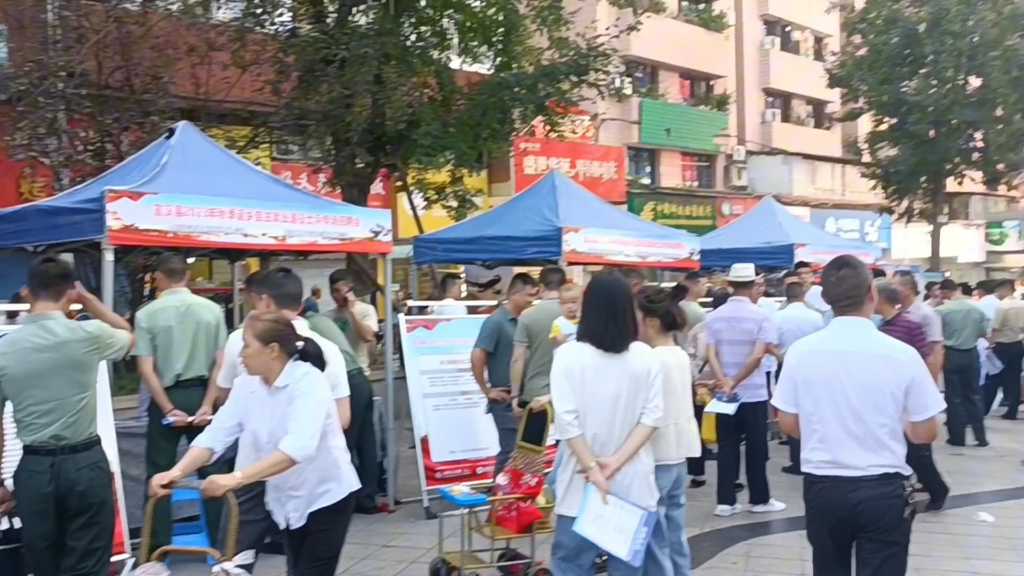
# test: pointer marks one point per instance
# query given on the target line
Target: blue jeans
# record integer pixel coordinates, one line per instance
(669, 553)
(574, 555)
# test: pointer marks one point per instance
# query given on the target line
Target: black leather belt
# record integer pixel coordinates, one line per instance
(66, 450)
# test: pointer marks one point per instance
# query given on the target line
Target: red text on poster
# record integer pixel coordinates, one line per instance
(600, 169)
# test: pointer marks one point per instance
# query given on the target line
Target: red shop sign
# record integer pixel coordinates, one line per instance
(309, 178)
(600, 169)
(730, 208)
(24, 182)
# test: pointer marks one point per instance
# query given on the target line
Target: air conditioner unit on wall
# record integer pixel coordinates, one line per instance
(739, 153)
(771, 116)
(738, 176)
(771, 43)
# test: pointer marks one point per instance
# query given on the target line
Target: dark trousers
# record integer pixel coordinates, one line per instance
(695, 466)
(314, 548)
(919, 458)
(254, 522)
(361, 438)
(750, 422)
(162, 453)
(508, 432)
(1012, 356)
(874, 513)
(66, 505)
(962, 372)
(794, 452)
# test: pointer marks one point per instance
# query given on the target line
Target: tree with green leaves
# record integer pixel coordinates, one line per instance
(413, 86)
(940, 83)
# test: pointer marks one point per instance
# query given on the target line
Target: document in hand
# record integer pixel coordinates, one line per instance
(618, 527)
(718, 406)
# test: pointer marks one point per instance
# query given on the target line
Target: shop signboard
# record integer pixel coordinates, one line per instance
(237, 138)
(615, 248)
(600, 169)
(434, 218)
(316, 179)
(728, 209)
(695, 214)
(1004, 236)
(178, 220)
(22, 182)
(857, 225)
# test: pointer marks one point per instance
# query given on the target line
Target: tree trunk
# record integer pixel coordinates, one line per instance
(935, 217)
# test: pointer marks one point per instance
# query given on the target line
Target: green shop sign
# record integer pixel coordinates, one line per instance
(694, 214)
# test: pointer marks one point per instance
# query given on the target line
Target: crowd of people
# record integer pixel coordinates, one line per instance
(280, 411)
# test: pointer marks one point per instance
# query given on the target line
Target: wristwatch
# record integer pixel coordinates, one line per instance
(239, 477)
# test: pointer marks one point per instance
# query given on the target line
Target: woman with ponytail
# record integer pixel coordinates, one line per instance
(677, 439)
(285, 414)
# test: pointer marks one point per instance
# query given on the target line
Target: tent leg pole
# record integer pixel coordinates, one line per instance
(107, 276)
(389, 379)
(236, 300)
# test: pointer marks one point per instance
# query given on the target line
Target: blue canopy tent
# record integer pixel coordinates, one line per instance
(186, 170)
(770, 236)
(557, 219)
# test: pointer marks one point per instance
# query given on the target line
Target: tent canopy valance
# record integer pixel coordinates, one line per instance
(770, 236)
(557, 219)
(185, 190)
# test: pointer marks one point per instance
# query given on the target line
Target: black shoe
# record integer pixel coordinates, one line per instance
(784, 442)
(792, 469)
(957, 444)
(738, 486)
(982, 444)
(936, 503)
(695, 483)
(1008, 417)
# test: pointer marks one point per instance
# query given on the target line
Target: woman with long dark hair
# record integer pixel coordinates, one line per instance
(678, 438)
(607, 392)
(285, 415)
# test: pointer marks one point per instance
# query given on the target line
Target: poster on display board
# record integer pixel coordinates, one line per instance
(456, 440)
(171, 220)
(615, 248)
(108, 438)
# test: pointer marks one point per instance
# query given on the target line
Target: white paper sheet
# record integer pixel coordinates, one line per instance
(716, 406)
(618, 527)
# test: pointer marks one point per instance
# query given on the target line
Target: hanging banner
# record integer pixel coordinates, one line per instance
(600, 169)
(857, 225)
(24, 182)
(316, 179)
(694, 214)
(1004, 236)
(177, 220)
(729, 209)
(614, 248)
(108, 438)
(456, 440)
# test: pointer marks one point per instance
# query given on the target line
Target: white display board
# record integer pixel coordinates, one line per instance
(108, 437)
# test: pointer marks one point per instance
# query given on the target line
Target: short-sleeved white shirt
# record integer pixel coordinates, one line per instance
(854, 388)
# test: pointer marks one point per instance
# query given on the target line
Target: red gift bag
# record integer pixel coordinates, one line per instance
(518, 516)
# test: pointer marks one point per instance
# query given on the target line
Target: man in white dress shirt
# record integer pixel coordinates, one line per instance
(852, 426)
(812, 297)
(792, 323)
(279, 290)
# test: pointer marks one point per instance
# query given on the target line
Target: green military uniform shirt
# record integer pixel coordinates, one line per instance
(963, 323)
(182, 332)
(48, 371)
(326, 327)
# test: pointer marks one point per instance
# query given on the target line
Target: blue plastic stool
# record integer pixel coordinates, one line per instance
(191, 534)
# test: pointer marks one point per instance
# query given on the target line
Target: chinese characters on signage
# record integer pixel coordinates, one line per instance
(729, 209)
(22, 182)
(857, 225)
(691, 213)
(599, 169)
(308, 178)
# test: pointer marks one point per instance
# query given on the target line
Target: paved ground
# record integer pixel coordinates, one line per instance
(953, 542)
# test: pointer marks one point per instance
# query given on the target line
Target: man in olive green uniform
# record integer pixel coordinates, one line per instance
(963, 323)
(351, 325)
(179, 349)
(533, 353)
(63, 484)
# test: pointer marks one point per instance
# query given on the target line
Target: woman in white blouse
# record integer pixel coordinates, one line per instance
(286, 416)
(676, 440)
(606, 388)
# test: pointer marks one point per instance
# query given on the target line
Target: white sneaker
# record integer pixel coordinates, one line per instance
(772, 505)
(725, 510)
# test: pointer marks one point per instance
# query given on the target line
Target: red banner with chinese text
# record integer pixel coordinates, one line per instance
(24, 182)
(600, 169)
(730, 208)
(315, 179)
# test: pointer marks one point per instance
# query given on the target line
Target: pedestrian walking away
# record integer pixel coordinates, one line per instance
(63, 485)
(179, 350)
(279, 291)
(285, 416)
(853, 451)
(963, 323)
(491, 362)
(1007, 328)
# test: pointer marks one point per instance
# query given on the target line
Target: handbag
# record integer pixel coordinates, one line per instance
(709, 428)
(12, 562)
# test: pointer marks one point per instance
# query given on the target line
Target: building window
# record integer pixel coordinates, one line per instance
(643, 76)
(819, 48)
(821, 120)
(698, 171)
(789, 40)
(643, 165)
(781, 102)
(695, 90)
